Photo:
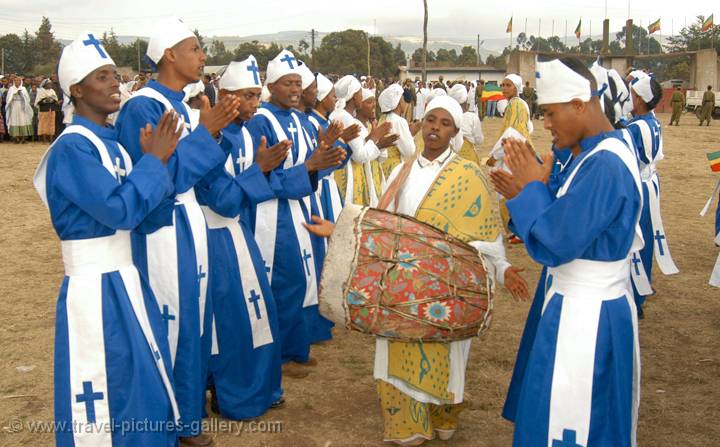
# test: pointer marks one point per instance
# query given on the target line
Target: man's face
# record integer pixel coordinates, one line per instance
(189, 59)
(438, 128)
(100, 90)
(562, 122)
(249, 101)
(309, 95)
(286, 91)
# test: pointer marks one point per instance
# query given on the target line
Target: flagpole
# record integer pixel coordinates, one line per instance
(566, 32)
(537, 39)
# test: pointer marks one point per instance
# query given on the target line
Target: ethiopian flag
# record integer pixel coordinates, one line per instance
(509, 27)
(578, 29)
(492, 92)
(707, 24)
(654, 27)
(713, 158)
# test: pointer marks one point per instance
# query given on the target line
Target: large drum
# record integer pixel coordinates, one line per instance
(390, 275)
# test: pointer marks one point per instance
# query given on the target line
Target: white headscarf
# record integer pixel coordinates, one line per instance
(601, 78)
(453, 108)
(345, 89)
(166, 34)
(367, 93)
(324, 86)
(390, 98)
(83, 56)
(435, 93)
(517, 81)
(459, 93)
(284, 64)
(241, 75)
(642, 87)
(306, 75)
(557, 83)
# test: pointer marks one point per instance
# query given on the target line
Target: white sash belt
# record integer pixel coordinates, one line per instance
(593, 280)
(97, 255)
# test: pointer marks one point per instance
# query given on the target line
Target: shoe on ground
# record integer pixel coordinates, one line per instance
(294, 370)
(201, 440)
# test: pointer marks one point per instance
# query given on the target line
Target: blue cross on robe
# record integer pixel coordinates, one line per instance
(96, 43)
(255, 70)
(200, 275)
(167, 316)
(636, 261)
(289, 59)
(267, 268)
(89, 398)
(156, 353)
(568, 440)
(306, 257)
(254, 298)
(659, 238)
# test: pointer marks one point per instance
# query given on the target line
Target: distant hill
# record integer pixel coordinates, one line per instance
(409, 44)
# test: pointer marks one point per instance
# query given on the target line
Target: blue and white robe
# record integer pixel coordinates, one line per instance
(646, 134)
(561, 160)
(284, 243)
(112, 360)
(329, 192)
(170, 247)
(581, 381)
(246, 371)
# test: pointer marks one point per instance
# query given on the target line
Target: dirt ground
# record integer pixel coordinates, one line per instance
(336, 405)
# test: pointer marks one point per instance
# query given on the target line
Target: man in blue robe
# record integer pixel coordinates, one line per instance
(112, 361)
(581, 380)
(285, 244)
(171, 245)
(246, 370)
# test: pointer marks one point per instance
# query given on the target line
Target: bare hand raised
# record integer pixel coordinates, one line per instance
(320, 227)
(520, 159)
(270, 158)
(350, 133)
(504, 183)
(333, 132)
(218, 117)
(515, 284)
(162, 141)
(380, 131)
(325, 156)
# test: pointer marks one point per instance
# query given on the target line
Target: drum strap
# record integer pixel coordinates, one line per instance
(392, 190)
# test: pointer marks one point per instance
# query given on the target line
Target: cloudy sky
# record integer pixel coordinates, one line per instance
(448, 18)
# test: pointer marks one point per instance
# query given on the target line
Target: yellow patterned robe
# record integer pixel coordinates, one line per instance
(460, 203)
(517, 117)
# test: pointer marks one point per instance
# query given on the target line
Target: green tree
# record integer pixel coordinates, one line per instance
(641, 40)
(15, 56)
(200, 39)
(46, 47)
(468, 56)
(417, 57)
(218, 54)
(346, 52)
(448, 57)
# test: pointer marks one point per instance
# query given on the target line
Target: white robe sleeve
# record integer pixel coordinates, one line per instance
(495, 253)
(362, 151)
(406, 142)
(477, 131)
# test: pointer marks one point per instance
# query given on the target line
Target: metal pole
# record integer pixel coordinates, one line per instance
(2, 69)
(537, 38)
(368, 53)
(478, 49)
(565, 32)
(137, 45)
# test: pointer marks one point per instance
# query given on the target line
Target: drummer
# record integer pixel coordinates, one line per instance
(420, 384)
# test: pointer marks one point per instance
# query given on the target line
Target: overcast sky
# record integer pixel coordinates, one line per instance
(448, 18)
